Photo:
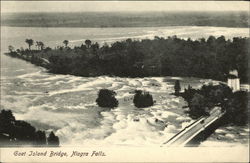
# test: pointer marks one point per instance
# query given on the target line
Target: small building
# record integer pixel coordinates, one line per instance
(233, 81)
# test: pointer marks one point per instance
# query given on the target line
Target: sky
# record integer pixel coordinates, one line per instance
(127, 6)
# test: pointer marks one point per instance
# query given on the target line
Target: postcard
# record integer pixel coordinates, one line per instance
(124, 81)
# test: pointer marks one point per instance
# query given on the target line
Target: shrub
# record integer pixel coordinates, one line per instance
(15, 132)
(216, 93)
(202, 100)
(237, 108)
(206, 98)
(41, 138)
(53, 140)
(106, 98)
(143, 99)
(188, 94)
(198, 106)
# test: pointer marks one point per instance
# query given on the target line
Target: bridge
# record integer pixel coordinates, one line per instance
(188, 133)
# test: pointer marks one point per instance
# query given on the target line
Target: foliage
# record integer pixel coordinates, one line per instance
(53, 140)
(30, 42)
(200, 101)
(236, 107)
(66, 42)
(188, 94)
(216, 93)
(197, 106)
(88, 43)
(11, 48)
(177, 87)
(39, 45)
(106, 98)
(41, 138)
(172, 56)
(15, 132)
(142, 99)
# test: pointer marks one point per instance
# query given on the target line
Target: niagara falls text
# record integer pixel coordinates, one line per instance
(59, 153)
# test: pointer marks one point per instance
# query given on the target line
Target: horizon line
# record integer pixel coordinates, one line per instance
(123, 11)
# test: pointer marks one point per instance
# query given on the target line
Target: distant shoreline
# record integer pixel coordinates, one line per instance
(123, 19)
(116, 27)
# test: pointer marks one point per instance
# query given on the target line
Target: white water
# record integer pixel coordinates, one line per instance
(66, 104)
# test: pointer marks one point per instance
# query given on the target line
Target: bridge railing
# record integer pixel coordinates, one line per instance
(183, 130)
(190, 126)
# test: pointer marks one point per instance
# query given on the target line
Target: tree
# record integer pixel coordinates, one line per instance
(88, 43)
(197, 106)
(106, 98)
(236, 107)
(16, 132)
(83, 47)
(216, 93)
(40, 138)
(66, 42)
(188, 94)
(23, 131)
(7, 120)
(95, 46)
(53, 140)
(37, 45)
(30, 42)
(11, 48)
(40, 45)
(142, 99)
(177, 87)
(128, 41)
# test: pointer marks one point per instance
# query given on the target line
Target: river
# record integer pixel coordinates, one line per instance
(66, 103)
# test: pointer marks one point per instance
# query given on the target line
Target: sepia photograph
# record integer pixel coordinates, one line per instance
(123, 74)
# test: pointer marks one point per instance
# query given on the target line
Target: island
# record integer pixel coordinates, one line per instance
(210, 58)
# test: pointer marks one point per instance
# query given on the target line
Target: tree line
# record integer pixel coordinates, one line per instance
(18, 133)
(202, 101)
(204, 58)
